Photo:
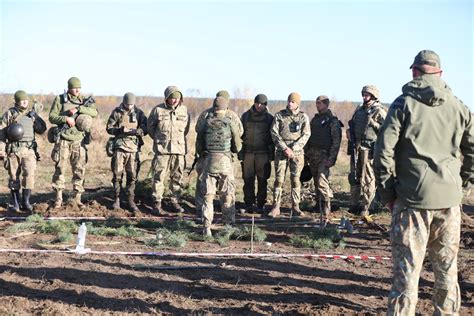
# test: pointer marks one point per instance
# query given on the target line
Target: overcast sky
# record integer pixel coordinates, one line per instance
(246, 47)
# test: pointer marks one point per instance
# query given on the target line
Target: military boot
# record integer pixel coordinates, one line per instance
(131, 204)
(58, 201)
(364, 211)
(26, 200)
(275, 212)
(296, 211)
(116, 205)
(175, 204)
(77, 199)
(326, 207)
(207, 233)
(14, 197)
(157, 210)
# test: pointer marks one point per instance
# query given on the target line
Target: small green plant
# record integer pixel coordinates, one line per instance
(239, 233)
(166, 238)
(325, 239)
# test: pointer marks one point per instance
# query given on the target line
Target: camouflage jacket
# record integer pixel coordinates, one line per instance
(257, 137)
(122, 118)
(168, 127)
(367, 120)
(325, 134)
(12, 115)
(418, 153)
(60, 111)
(290, 130)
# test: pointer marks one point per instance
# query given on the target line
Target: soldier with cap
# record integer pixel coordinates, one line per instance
(200, 125)
(215, 143)
(168, 126)
(18, 127)
(322, 149)
(362, 133)
(73, 114)
(421, 176)
(257, 152)
(128, 124)
(290, 132)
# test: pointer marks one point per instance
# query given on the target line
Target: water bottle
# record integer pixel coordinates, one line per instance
(81, 237)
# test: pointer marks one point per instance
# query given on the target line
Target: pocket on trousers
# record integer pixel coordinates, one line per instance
(56, 153)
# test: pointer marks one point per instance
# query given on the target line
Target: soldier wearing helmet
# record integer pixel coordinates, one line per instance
(364, 127)
(18, 127)
(73, 114)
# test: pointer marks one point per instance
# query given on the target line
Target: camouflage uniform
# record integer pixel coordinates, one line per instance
(70, 147)
(200, 126)
(126, 148)
(168, 127)
(321, 152)
(20, 155)
(289, 130)
(367, 120)
(215, 142)
(418, 167)
(258, 150)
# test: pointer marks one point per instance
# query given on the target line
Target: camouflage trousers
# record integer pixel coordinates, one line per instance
(122, 160)
(222, 184)
(316, 159)
(413, 232)
(363, 192)
(162, 166)
(281, 165)
(256, 165)
(22, 163)
(69, 152)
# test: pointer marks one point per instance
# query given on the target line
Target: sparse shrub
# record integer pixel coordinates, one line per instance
(166, 238)
(325, 239)
(239, 233)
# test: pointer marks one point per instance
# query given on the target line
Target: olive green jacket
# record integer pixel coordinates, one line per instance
(60, 111)
(418, 151)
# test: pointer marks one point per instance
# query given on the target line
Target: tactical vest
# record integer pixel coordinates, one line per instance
(27, 123)
(218, 134)
(321, 131)
(362, 130)
(257, 135)
(292, 125)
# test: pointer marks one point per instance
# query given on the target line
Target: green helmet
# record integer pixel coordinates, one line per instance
(84, 122)
(15, 132)
(372, 90)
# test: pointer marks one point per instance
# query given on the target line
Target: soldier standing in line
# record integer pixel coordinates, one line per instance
(73, 114)
(362, 134)
(168, 125)
(128, 124)
(421, 177)
(200, 124)
(322, 149)
(290, 132)
(18, 127)
(257, 152)
(216, 142)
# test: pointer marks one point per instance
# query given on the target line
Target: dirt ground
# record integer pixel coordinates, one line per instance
(32, 283)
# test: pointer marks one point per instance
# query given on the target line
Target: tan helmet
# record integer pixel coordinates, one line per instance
(372, 90)
(84, 123)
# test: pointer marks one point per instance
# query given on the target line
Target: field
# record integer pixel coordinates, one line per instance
(160, 282)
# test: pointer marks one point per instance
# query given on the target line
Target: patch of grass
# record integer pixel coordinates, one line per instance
(166, 238)
(171, 225)
(324, 239)
(239, 233)
(122, 231)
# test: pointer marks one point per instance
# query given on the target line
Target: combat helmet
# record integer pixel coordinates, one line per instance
(15, 132)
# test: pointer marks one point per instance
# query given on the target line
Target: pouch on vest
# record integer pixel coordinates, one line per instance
(109, 146)
(53, 134)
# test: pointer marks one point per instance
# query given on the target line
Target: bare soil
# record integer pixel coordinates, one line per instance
(116, 284)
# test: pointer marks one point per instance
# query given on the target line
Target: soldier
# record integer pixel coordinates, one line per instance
(200, 124)
(73, 114)
(17, 144)
(290, 132)
(322, 149)
(362, 134)
(168, 126)
(257, 152)
(420, 176)
(215, 142)
(128, 124)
